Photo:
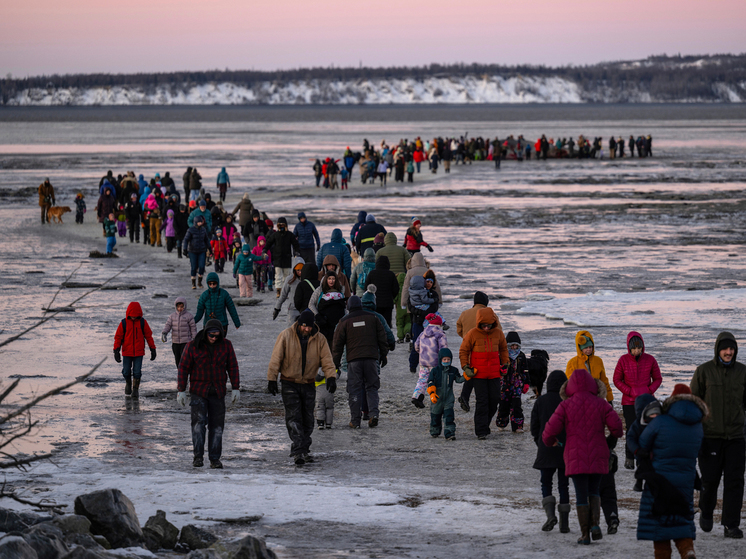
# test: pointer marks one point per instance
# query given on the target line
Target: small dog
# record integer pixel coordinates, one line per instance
(57, 212)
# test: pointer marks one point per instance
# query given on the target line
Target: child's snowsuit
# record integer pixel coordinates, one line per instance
(324, 402)
(220, 252)
(260, 272)
(513, 383)
(79, 208)
(442, 410)
(243, 269)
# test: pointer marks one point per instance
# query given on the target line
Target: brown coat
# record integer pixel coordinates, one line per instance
(341, 277)
(468, 320)
(46, 190)
(287, 357)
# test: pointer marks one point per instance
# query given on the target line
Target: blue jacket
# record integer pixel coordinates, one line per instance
(673, 440)
(213, 303)
(142, 183)
(306, 233)
(197, 240)
(336, 247)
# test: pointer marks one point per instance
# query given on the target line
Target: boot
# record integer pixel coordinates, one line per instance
(199, 281)
(564, 517)
(278, 292)
(686, 548)
(584, 520)
(549, 503)
(136, 389)
(595, 504)
(178, 251)
(194, 283)
(128, 386)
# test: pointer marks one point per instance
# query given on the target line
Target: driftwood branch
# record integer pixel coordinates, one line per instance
(42, 504)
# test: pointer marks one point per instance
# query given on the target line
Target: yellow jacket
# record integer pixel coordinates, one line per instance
(591, 363)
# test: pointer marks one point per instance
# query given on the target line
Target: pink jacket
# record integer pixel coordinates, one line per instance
(583, 416)
(634, 377)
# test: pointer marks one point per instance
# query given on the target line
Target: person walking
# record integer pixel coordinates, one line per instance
(387, 287)
(308, 238)
(282, 244)
(214, 302)
(583, 416)
(299, 351)
(466, 321)
(223, 183)
(46, 199)
(207, 362)
(364, 338)
(288, 292)
(182, 327)
(197, 244)
(129, 342)
(335, 247)
(636, 373)
(721, 383)
(587, 359)
(366, 235)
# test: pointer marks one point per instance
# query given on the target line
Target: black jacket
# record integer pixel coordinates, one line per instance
(366, 234)
(304, 291)
(253, 230)
(133, 211)
(364, 336)
(180, 224)
(281, 243)
(387, 287)
(548, 457)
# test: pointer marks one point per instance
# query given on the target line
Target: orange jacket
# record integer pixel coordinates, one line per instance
(591, 363)
(487, 351)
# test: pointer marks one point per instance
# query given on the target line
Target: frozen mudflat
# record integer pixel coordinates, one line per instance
(653, 245)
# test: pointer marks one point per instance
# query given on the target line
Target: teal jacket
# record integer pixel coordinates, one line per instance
(213, 303)
(443, 381)
(205, 214)
(244, 263)
(110, 228)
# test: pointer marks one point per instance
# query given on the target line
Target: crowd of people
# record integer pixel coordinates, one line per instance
(403, 160)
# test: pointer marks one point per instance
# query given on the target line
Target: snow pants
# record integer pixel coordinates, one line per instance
(726, 458)
(487, 392)
(245, 287)
(155, 231)
(299, 400)
(110, 244)
(436, 423)
(421, 386)
(208, 413)
(134, 228)
(362, 373)
(324, 405)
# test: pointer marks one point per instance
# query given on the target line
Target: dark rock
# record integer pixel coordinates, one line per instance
(73, 524)
(164, 269)
(11, 521)
(160, 296)
(85, 541)
(246, 302)
(204, 554)
(32, 518)
(15, 547)
(99, 254)
(112, 515)
(83, 553)
(79, 285)
(196, 538)
(123, 287)
(102, 541)
(158, 527)
(248, 547)
(47, 540)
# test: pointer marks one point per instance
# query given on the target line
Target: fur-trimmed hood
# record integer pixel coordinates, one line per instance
(670, 401)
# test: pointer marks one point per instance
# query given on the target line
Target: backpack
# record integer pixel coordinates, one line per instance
(363, 275)
(124, 326)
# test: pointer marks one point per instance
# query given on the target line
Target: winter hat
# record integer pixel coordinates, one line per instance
(481, 299)
(378, 239)
(369, 297)
(434, 319)
(306, 318)
(653, 408)
(282, 221)
(202, 203)
(416, 222)
(681, 389)
(269, 223)
(192, 204)
(370, 218)
(513, 338)
(726, 343)
(585, 342)
(354, 303)
(635, 342)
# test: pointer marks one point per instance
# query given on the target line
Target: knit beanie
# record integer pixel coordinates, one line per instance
(282, 221)
(635, 342)
(681, 389)
(369, 218)
(727, 343)
(369, 296)
(585, 342)
(434, 319)
(416, 222)
(306, 318)
(378, 239)
(354, 303)
(513, 338)
(481, 299)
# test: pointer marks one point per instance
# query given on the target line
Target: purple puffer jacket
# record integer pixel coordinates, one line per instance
(181, 325)
(429, 343)
(635, 377)
(170, 229)
(583, 416)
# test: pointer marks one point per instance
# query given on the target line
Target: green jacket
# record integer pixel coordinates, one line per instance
(244, 263)
(397, 255)
(213, 303)
(723, 388)
(110, 228)
(443, 383)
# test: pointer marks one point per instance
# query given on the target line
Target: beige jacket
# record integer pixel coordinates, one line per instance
(287, 358)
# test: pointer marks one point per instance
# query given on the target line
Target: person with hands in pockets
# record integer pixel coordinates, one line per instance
(207, 362)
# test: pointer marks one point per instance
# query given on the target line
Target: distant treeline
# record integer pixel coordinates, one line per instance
(663, 77)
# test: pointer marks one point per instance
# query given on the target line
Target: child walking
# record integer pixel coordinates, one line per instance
(260, 271)
(514, 383)
(243, 270)
(129, 347)
(79, 207)
(219, 250)
(110, 232)
(324, 403)
(182, 327)
(428, 345)
(440, 388)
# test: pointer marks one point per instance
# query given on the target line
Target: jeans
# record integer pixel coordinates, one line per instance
(193, 195)
(110, 244)
(586, 485)
(299, 401)
(726, 458)
(198, 262)
(131, 367)
(487, 393)
(563, 483)
(208, 412)
(362, 373)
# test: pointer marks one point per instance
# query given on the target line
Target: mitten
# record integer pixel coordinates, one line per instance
(433, 395)
(526, 388)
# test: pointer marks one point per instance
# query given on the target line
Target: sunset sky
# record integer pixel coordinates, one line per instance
(82, 36)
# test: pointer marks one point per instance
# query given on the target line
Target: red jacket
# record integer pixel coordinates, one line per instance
(413, 240)
(132, 338)
(219, 248)
(204, 367)
(583, 416)
(634, 377)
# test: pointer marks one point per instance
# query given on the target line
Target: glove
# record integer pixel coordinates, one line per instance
(235, 395)
(433, 395)
(429, 248)
(181, 398)
(272, 387)
(234, 276)
(152, 354)
(526, 388)
(275, 312)
(469, 372)
(384, 361)
(164, 338)
(642, 454)
(503, 370)
(331, 385)
(392, 347)
(117, 356)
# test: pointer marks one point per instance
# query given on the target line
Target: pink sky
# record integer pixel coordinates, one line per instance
(50, 36)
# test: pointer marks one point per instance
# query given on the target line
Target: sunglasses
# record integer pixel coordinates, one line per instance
(213, 335)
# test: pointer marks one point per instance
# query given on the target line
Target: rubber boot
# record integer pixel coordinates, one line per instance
(549, 504)
(584, 520)
(135, 389)
(128, 386)
(564, 517)
(199, 281)
(194, 283)
(178, 251)
(595, 504)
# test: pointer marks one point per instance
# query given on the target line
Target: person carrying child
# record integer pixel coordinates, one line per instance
(440, 388)
(79, 207)
(129, 347)
(514, 384)
(423, 300)
(219, 250)
(182, 327)
(428, 345)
